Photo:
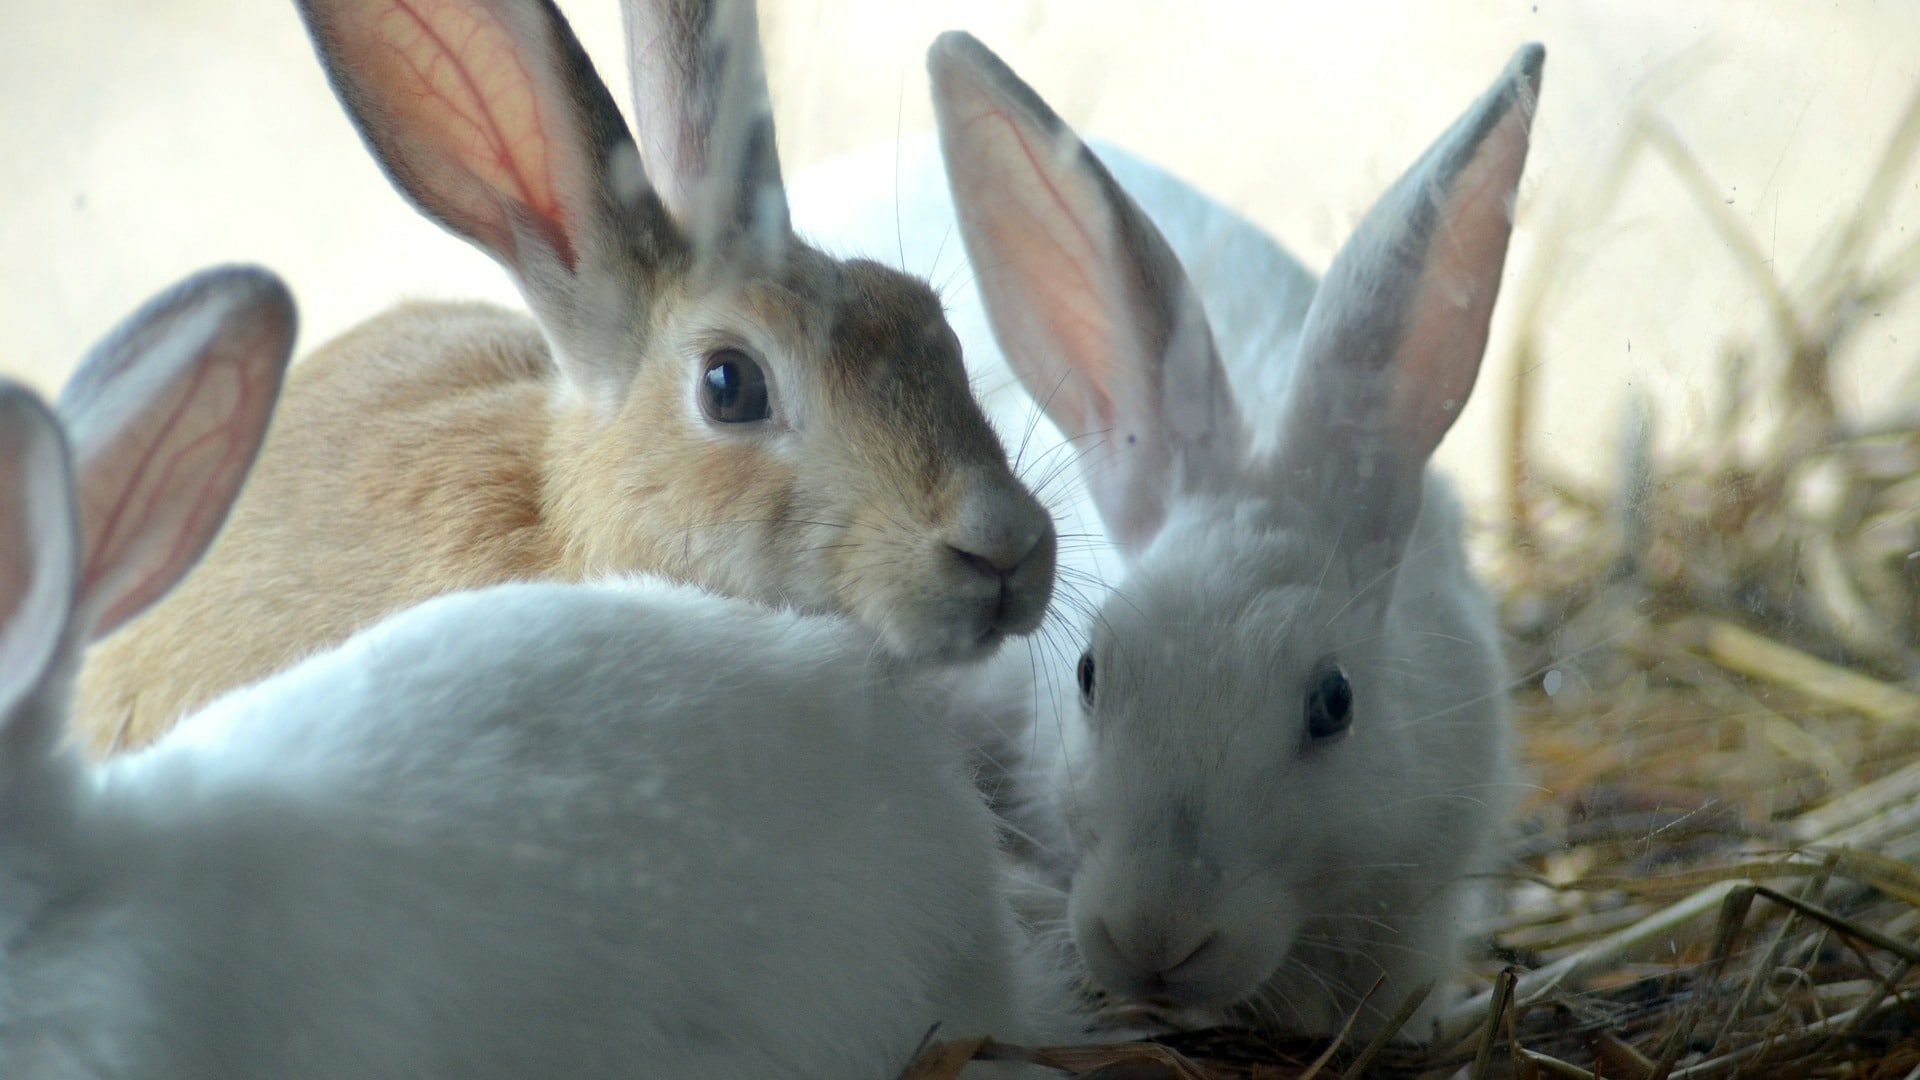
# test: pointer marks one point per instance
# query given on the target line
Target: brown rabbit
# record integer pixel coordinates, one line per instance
(700, 394)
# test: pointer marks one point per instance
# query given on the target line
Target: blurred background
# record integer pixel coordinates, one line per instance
(151, 137)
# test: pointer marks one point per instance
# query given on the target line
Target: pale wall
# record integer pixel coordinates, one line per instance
(149, 137)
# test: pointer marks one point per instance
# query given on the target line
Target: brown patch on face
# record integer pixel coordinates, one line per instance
(919, 470)
(889, 406)
(848, 500)
(892, 352)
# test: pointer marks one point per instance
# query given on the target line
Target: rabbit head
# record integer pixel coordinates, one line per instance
(1293, 742)
(735, 407)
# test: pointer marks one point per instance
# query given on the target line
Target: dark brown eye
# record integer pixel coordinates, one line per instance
(1086, 679)
(1329, 703)
(733, 389)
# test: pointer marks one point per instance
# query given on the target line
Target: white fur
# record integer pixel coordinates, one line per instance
(618, 829)
(532, 830)
(1188, 808)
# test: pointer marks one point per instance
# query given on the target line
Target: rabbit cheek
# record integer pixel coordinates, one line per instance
(895, 583)
(747, 498)
(655, 489)
(943, 564)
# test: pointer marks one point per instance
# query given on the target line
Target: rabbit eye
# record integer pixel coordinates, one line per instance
(1086, 679)
(733, 389)
(1329, 704)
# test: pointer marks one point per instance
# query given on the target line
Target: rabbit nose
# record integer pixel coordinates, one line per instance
(996, 541)
(1155, 956)
(999, 550)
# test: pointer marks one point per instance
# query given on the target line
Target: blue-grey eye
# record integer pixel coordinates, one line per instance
(1329, 703)
(733, 389)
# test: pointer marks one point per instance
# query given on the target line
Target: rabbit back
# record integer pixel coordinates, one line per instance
(633, 827)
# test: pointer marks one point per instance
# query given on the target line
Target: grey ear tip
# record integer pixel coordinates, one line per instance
(1527, 66)
(238, 296)
(959, 61)
(22, 408)
(248, 287)
(954, 46)
(18, 396)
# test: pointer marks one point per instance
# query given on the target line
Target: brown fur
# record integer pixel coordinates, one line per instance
(312, 547)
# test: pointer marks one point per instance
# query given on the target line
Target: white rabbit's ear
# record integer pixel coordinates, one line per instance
(489, 117)
(1090, 305)
(706, 123)
(166, 415)
(39, 557)
(1393, 341)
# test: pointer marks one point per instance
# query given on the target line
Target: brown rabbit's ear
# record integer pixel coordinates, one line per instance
(489, 117)
(1090, 305)
(166, 415)
(706, 124)
(1393, 340)
(39, 557)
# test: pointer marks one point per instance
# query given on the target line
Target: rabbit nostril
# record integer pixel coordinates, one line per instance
(1153, 957)
(1019, 552)
(981, 564)
(998, 558)
(1190, 955)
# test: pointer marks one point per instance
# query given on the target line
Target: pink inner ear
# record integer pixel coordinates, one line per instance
(154, 498)
(1446, 333)
(1039, 221)
(455, 80)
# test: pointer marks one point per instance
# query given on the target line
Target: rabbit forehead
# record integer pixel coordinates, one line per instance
(858, 317)
(1203, 659)
(1234, 592)
(1210, 668)
(864, 352)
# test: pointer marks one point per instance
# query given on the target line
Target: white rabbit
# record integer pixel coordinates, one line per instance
(1290, 754)
(536, 830)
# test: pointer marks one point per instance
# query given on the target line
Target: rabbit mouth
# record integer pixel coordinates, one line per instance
(1181, 958)
(1016, 609)
(1021, 604)
(967, 615)
(1193, 999)
(964, 647)
(1003, 621)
